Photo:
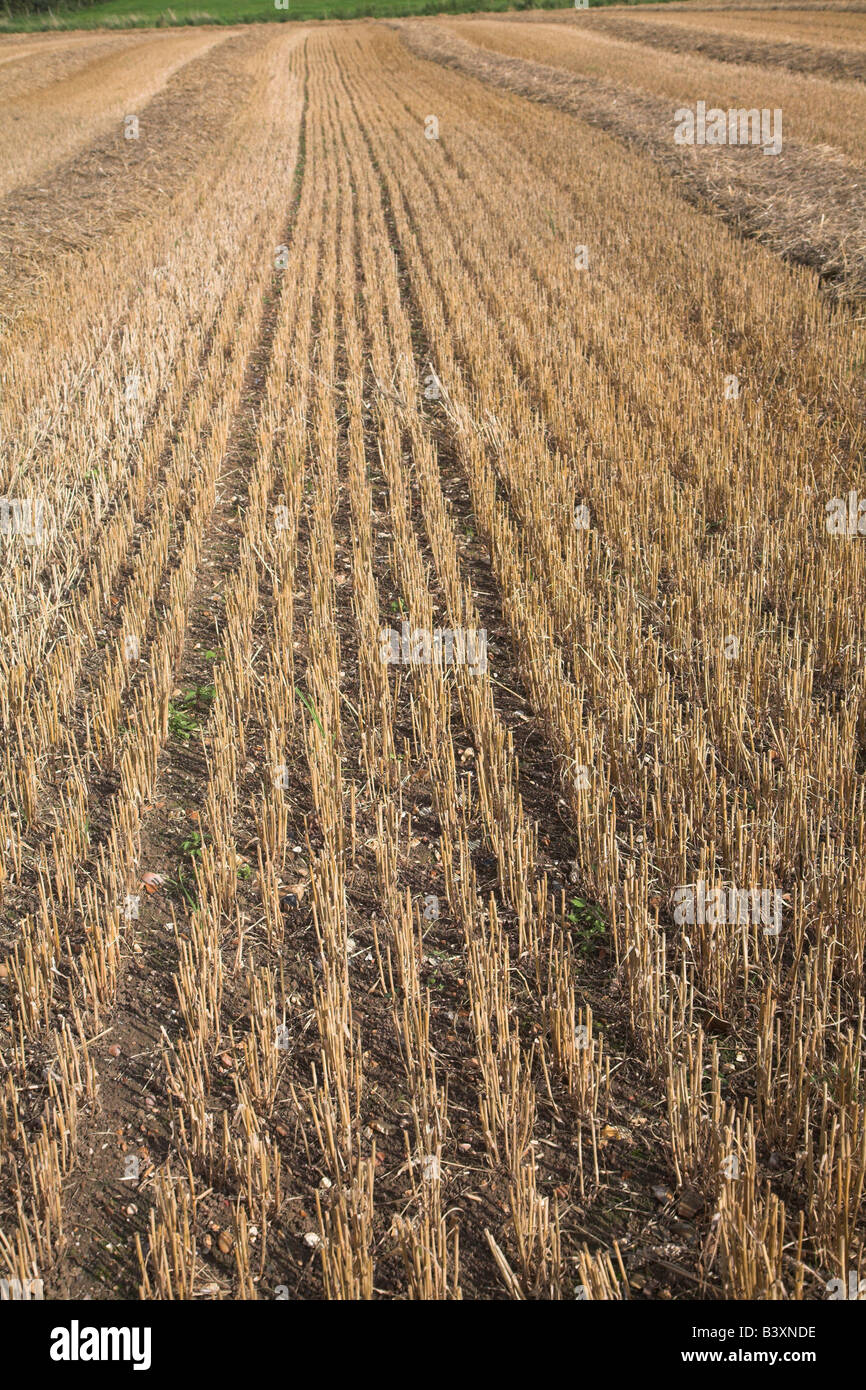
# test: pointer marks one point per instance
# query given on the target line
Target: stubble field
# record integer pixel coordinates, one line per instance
(432, 661)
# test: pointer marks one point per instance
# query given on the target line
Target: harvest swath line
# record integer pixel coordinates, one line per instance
(83, 198)
(808, 203)
(136, 1031)
(407, 1012)
(481, 574)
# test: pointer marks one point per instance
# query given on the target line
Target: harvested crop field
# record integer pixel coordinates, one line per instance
(432, 663)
